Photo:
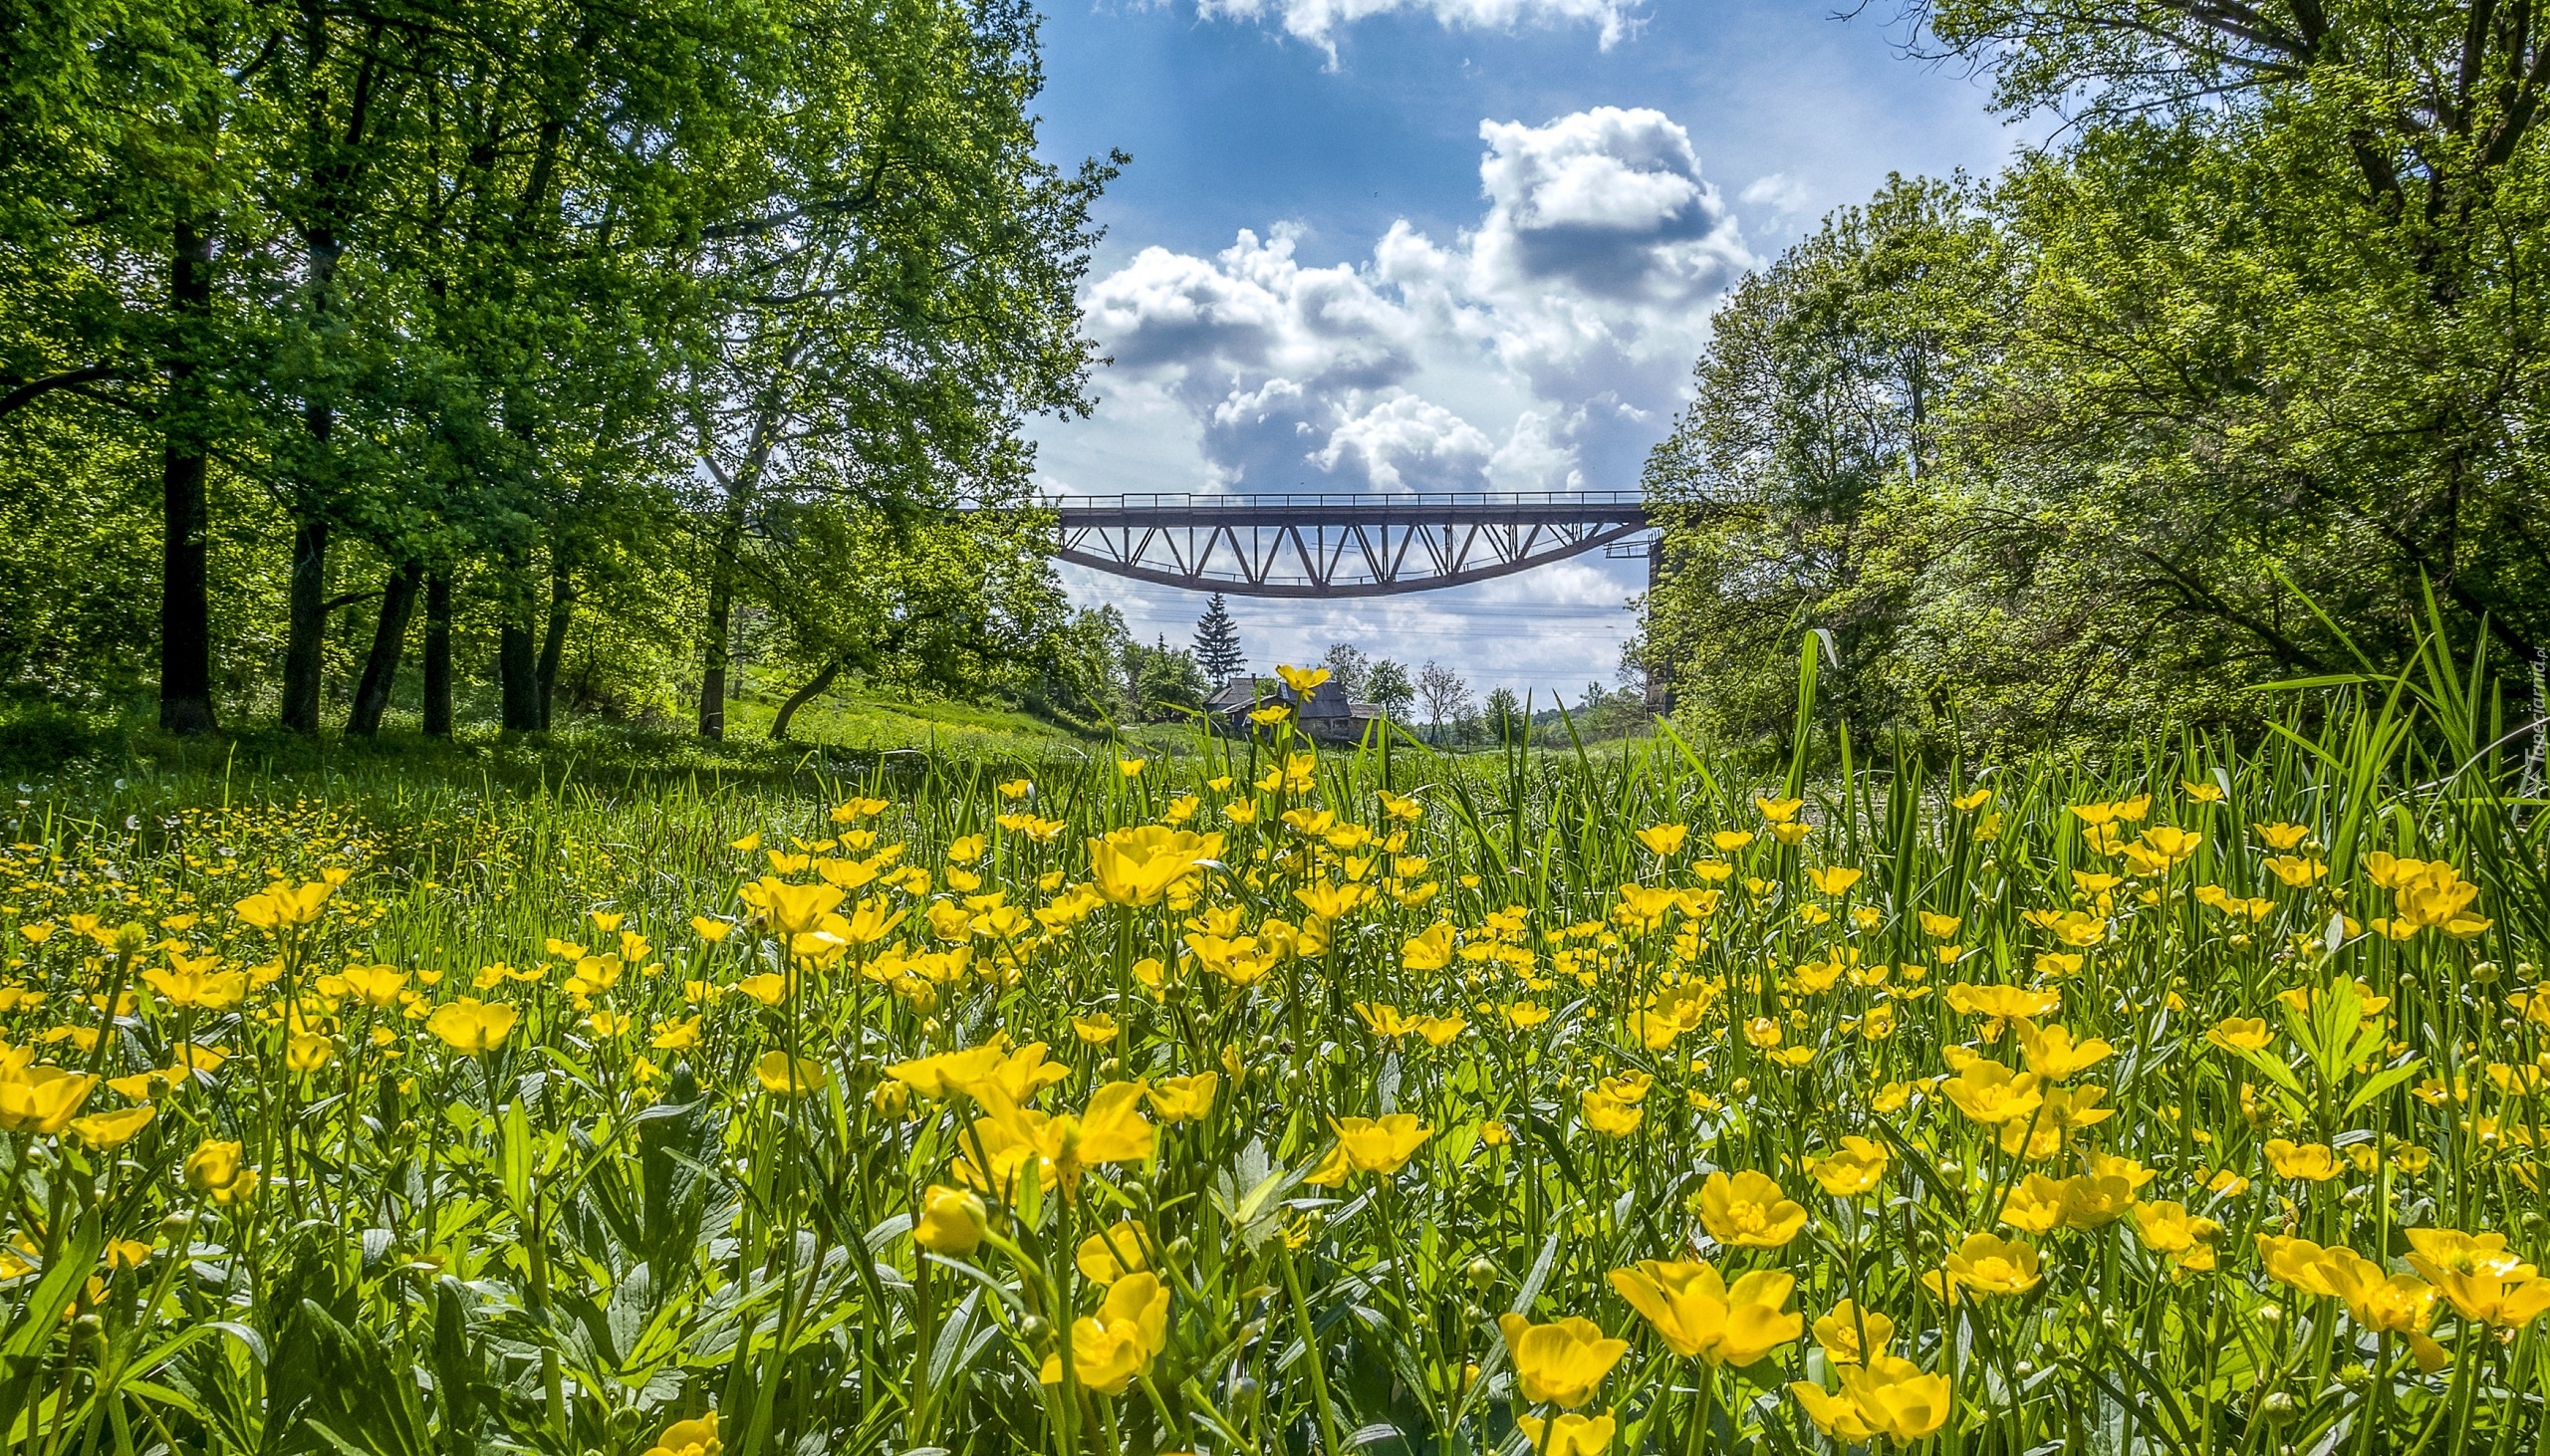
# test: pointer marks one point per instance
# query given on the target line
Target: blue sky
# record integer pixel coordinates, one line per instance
(1388, 245)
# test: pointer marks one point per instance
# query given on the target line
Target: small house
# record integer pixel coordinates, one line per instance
(1328, 715)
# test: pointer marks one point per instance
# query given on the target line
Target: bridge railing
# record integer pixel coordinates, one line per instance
(1346, 501)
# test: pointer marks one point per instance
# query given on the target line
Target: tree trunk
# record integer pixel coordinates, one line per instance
(721, 609)
(438, 655)
(801, 697)
(185, 612)
(389, 641)
(518, 677)
(305, 639)
(553, 645)
(517, 648)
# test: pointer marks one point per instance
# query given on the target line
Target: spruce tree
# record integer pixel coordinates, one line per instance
(1217, 642)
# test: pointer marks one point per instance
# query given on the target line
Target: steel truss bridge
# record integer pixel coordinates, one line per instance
(1339, 545)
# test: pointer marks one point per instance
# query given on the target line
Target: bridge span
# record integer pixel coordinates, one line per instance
(1310, 546)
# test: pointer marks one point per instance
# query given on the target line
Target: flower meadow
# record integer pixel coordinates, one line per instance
(1266, 1099)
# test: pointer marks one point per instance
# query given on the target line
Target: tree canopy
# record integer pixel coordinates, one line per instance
(2207, 393)
(506, 313)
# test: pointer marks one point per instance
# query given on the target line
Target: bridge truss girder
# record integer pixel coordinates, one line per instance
(1337, 546)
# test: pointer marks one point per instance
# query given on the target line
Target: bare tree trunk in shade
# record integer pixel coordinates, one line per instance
(388, 642)
(305, 641)
(438, 655)
(553, 644)
(721, 608)
(185, 609)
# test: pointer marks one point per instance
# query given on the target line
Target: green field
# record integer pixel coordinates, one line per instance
(608, 1096)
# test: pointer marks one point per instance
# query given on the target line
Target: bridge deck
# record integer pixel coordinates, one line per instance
(1433, 508)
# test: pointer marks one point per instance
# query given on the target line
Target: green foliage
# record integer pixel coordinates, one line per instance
(1163, 682)
(473, 295)
(2252, 342)
(1391, 689)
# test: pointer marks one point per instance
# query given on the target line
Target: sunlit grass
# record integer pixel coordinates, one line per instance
(1260, 1101)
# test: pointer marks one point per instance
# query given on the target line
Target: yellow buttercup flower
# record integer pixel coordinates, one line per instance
(2034, 1205)
(1119, 1342)
(2383, 1303)
(784, 1075)
(2296, 872)
(2246, 1032)
(1990, 1265)
(471, 1024)
(284, 905)
(2479, 1276)
(1697, 1314)
(1851, 1169)
(1848, 1335)
(794, 909)
(2001, 1003)
(1137, 866)
(1888, 1397)
(1568, 1434)
(1663, 840)
(1111, 1129)
(949, 1073)
(198, 989)
(215, 1168)
(2169, 1230)
(2280, 835)
(1833, 879)
(2296, 1263)
(2053, 1056)
(1992, 1093)
(1609, 1115)
(767, 988)
(1111, 1252)
(1561, 1362)
(2309, 1162)
(953, 1220)
(1303, 680)
(105, 1131)
(1184, 1099)
(1372, 1146)
(689, 1438)
(378, 987)
(42, 1098)
(1748, 1210)
(1014, 1078)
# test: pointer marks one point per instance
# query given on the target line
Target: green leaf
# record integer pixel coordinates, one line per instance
(2382, 1081)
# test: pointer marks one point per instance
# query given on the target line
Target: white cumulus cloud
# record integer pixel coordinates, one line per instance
(1404, 442)
(1777, 193)
(1319, 21)
(1541, 347)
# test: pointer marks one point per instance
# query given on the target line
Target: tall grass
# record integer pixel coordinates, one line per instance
(570, 1120)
